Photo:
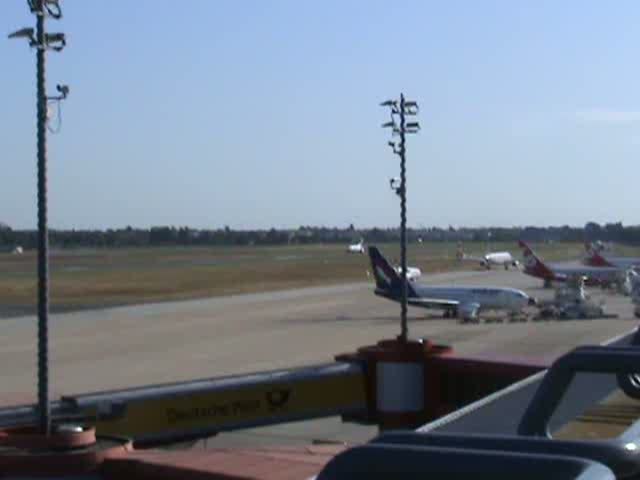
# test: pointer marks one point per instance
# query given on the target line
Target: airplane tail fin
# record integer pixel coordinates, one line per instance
(387, 279)
(590, 248)
(594, 257)
(533, 264)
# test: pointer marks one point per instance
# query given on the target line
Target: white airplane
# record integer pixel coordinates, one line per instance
(463, 302)
(503, 259)
(413, 273)
(356, 247)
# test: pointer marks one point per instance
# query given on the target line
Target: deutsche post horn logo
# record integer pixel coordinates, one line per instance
(278, 398)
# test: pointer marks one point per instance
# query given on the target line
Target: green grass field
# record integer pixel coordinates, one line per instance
(98, 278)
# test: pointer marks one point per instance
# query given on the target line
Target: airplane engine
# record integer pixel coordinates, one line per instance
(469, 313)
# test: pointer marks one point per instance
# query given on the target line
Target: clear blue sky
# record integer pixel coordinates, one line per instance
(259, 114)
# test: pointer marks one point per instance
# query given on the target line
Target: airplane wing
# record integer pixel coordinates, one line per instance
(427, 302)
(466, 311)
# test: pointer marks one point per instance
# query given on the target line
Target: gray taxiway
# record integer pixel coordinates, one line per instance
(166, 342)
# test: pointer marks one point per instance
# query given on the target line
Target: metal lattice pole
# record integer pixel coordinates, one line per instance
(43, 231)
(401, 109)
(404, 331)
(43, 41)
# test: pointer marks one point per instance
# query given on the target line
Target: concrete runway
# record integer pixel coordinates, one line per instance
(141, 345)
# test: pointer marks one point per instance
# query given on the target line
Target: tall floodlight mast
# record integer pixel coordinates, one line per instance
(400, 109)
(42, 41)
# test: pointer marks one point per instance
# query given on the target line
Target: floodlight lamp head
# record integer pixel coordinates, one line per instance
(64, 90)
(390, 124)
(389, 103)
(23, 33)
(413, 126)
(55, 41)
(53, 9)
(411, 107)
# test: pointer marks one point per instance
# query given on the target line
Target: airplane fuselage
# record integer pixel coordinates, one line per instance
(489, 298)
(485, 298)
(595, 275)
(503, 259)
(499, 258)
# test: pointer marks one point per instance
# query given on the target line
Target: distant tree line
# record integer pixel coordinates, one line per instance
(169, 235)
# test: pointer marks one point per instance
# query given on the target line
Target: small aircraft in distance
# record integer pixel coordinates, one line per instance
(503, 259)
(413, 273)
(356, 247)
(463, 302)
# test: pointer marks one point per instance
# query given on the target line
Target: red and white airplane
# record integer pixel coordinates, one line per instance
(596, 258)
(549, 273)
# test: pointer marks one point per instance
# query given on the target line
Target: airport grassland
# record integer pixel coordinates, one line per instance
(97, 278)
